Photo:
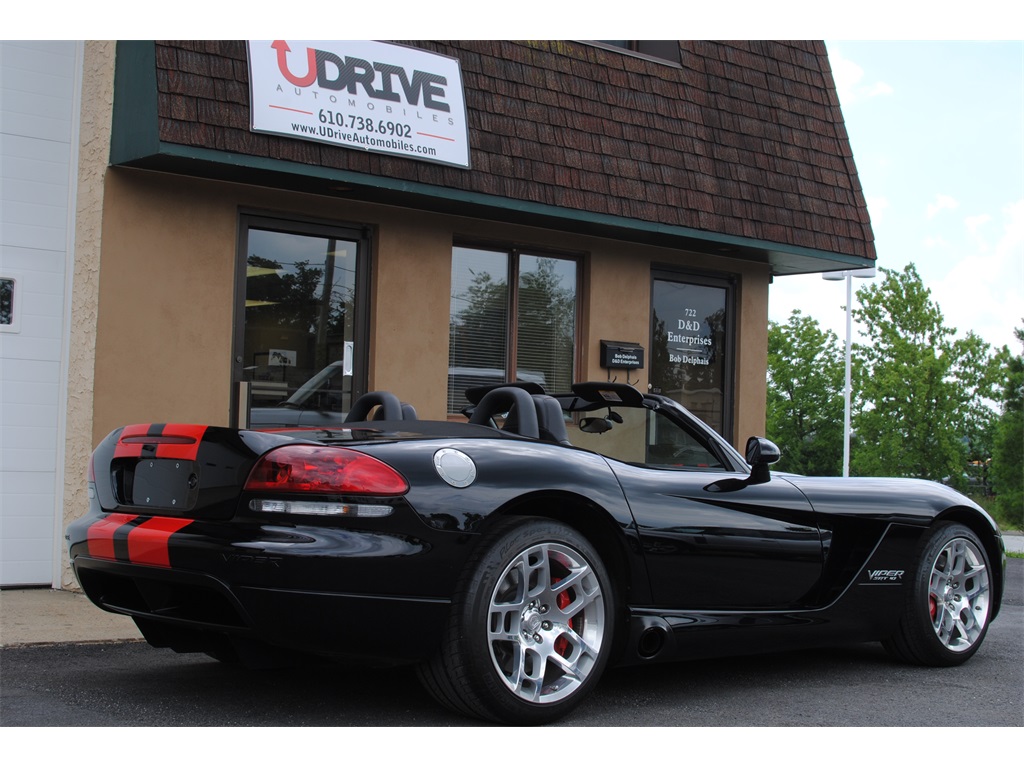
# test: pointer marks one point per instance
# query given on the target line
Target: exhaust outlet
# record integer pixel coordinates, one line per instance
(651, 641)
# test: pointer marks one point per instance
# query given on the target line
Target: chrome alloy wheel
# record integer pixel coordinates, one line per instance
(958, 594)
(546, 621)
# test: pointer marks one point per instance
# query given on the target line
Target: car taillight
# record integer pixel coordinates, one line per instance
(325, 470)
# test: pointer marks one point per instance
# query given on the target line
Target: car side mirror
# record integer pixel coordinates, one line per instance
(761, 452)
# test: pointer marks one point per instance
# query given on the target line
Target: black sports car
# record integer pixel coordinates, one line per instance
(511, 558)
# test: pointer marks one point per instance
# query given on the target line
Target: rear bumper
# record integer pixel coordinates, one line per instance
(334, 624)
(347, 591)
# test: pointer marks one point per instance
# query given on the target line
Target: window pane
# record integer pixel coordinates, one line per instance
(649, 438)
(668, 50)
(6, 301)
(662, 49)
(299, 294)
(478, 323)
(669, 445)
(546, 322)
(688, 360)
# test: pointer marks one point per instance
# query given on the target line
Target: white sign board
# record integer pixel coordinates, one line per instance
(359, 94)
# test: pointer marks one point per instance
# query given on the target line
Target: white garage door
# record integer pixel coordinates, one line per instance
(39, 85)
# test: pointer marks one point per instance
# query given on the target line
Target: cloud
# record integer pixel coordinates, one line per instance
(877, 89)
(942, 202)
(984, 292)
(877, 206)
(848, 76)
(1013, 241)
(974, 223)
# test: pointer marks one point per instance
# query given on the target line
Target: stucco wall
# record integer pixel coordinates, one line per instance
(752, 355)
(167, 298)
(409, 320)
(618, 308)
(93, 151)
(163, 348)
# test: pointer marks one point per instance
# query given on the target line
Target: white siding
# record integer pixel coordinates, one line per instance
(38, 119)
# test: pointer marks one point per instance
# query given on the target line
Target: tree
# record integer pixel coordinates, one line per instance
(546, 323)
(805, 396)
(478, 328)
(1008, 445)
(976, 373)
(294, 299)
(921, 396)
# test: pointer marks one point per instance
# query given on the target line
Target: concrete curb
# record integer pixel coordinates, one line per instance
(39, 616)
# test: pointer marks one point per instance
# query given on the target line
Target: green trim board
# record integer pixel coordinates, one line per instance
(135, 125)
(311, 179)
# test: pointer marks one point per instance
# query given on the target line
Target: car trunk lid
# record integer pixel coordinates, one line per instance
(176, 470)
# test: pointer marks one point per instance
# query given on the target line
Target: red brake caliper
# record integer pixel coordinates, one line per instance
(933, 606)
(562, 644)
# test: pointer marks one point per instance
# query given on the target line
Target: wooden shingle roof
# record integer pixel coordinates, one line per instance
(744, 139)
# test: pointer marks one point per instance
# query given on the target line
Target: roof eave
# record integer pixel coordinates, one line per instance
(784, 259)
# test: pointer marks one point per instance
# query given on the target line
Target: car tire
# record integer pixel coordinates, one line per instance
(530, 630)
(948, 604)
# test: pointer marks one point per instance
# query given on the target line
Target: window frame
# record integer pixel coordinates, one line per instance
(514, 253)
(17, 298)
(730, 283)
(633, 49)
(297, 225)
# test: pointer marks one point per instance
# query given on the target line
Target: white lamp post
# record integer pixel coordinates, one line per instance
(848, 275)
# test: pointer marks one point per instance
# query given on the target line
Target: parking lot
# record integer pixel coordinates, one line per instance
(129, 683)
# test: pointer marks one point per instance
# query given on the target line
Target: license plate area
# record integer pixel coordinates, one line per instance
(169, 484)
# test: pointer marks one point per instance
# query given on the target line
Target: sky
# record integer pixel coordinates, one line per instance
(937, 131)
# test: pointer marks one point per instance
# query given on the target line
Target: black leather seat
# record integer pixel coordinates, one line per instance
(550, 421)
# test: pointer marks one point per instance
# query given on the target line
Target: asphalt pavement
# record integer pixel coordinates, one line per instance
(117, 684)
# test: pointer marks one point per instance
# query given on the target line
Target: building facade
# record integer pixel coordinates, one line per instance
(436, 215)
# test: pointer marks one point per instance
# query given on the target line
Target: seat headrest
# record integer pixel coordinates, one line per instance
(390, 407)
(518, 403)
(550, 421)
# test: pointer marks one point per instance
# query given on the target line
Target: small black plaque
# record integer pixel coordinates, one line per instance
(621, 355)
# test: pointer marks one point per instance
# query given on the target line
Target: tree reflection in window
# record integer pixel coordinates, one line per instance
(299, 296)
(493, 334)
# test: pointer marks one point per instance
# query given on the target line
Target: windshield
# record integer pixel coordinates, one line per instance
(644, 437)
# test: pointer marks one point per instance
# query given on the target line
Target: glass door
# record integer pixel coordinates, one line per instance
(300, 351)
(691, 346)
